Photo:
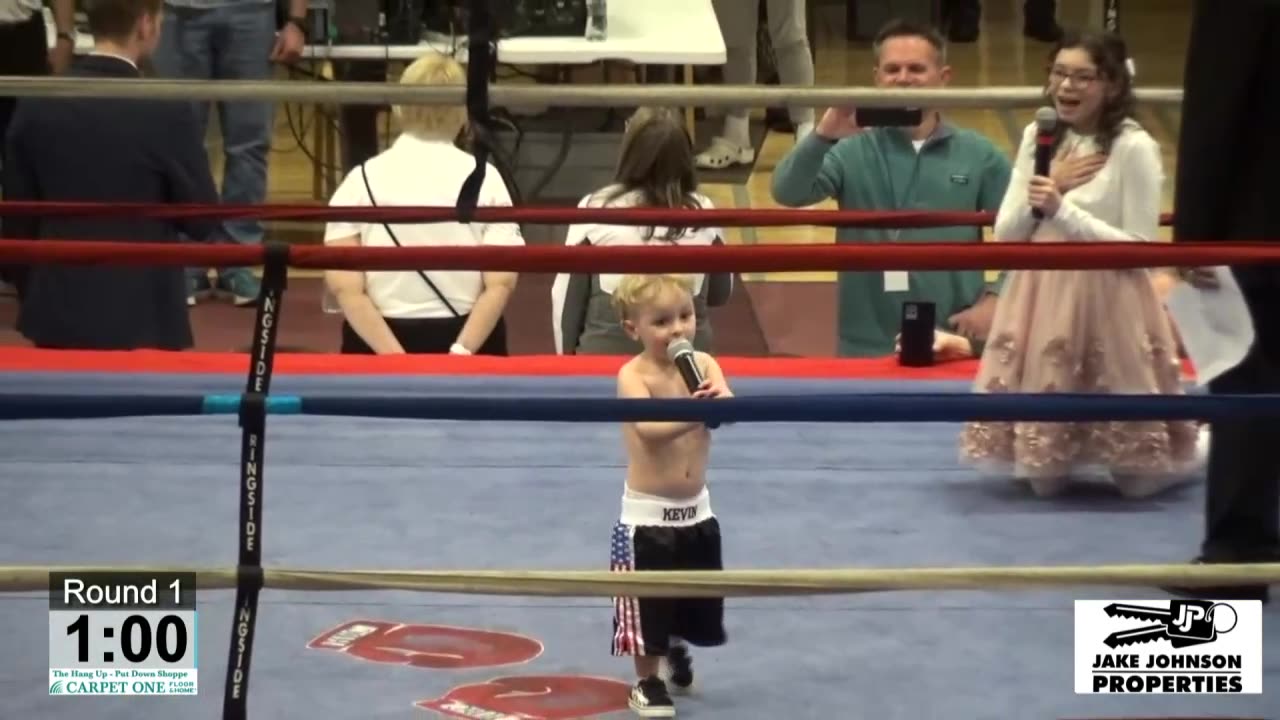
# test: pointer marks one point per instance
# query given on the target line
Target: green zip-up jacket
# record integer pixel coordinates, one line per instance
(878, 170)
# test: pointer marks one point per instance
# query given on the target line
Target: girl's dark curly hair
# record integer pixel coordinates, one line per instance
(1109, 53)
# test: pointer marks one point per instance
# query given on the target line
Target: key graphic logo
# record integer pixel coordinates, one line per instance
(1168, 646)
(1184, 623)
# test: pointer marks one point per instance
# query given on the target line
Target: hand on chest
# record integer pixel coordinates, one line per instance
(1082, 171)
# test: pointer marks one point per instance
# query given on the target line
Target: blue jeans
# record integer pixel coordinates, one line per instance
(230, 42)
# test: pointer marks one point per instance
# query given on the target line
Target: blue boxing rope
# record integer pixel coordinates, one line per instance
(829, 408)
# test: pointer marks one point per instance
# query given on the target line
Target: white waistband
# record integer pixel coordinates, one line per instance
(642, 509)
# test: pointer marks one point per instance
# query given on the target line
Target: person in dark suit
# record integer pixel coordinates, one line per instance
(110, 151)
(25, 51)
(1228, 155)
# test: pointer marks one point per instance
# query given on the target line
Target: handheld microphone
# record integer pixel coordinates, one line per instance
(1046, 124)
(680, 352)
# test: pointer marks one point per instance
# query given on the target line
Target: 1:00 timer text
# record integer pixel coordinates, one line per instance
(136, 638)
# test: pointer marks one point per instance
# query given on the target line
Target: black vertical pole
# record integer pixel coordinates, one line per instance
(481, 50)
(253, 422)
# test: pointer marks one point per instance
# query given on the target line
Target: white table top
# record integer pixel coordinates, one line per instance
(645, 32)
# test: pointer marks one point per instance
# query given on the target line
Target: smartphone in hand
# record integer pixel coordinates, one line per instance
(888, 117)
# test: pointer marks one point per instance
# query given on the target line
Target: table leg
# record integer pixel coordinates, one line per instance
(318, 162)
(330, 155)
(690, 113)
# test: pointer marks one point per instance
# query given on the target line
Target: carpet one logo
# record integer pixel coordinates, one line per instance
(1180, 647)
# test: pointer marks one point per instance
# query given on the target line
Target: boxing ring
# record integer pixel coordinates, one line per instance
(474, 471)
(428, 536)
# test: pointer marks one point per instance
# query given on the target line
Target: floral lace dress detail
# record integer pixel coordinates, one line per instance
(1093, 332)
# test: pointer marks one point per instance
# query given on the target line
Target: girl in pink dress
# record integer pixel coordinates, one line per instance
(1084, 331)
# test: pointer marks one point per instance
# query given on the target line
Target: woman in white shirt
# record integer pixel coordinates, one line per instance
(410, 311)
(1084, 331)
(655, 169)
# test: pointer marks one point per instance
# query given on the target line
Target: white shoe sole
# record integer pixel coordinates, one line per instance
(651, 712)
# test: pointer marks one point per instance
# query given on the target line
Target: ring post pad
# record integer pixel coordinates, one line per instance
(275, 265)
(253, 412)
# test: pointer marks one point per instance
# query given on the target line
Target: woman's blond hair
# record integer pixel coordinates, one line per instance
(435, 122)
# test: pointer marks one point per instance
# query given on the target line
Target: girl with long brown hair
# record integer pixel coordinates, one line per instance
(655, 169)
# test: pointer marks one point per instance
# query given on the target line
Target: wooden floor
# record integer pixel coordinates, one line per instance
(1156, 31)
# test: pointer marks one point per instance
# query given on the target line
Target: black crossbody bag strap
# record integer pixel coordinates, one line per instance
(421, 274)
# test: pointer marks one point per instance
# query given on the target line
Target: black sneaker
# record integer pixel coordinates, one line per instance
(649, 699)
(679, 668)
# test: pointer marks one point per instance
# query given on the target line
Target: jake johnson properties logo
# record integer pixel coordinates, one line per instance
(1182, 647)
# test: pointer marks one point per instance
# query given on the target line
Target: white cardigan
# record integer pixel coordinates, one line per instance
(1120, 204)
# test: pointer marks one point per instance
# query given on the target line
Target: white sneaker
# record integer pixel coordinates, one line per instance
(724, 153)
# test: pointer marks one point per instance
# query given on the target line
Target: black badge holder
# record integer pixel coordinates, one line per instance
(916, 334)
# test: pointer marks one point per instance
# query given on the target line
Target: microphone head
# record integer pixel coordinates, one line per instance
(678, 347)
(1046, 119)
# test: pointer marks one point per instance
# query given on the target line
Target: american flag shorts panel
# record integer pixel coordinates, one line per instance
(627, 636)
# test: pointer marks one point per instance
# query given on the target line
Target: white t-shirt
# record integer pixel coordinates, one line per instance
(417, 172)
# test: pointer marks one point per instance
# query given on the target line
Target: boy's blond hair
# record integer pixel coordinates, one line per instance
(433, 122)
(635, 291)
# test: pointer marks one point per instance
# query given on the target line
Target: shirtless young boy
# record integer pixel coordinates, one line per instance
(666, 521)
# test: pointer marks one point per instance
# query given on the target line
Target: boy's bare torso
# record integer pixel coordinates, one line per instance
(673, 467)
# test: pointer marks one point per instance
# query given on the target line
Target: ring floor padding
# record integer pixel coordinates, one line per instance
(381, 494)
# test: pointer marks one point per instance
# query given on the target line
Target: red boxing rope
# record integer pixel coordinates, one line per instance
(724, 258)
(720, 217)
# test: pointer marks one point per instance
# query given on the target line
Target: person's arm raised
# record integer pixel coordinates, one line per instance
(811, 172)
